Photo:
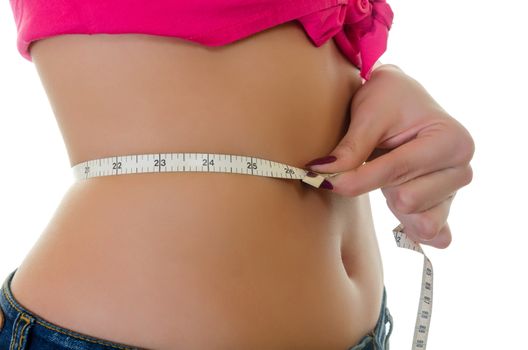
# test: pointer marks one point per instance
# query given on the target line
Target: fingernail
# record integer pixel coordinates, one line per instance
(326, 185)
(311, 174)
(322, 160)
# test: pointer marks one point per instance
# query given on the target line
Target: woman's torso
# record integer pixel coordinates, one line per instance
(203, 260)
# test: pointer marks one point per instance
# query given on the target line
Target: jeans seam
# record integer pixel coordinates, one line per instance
(22, 339)
(51, 327)
(390, 321)
(19, 333)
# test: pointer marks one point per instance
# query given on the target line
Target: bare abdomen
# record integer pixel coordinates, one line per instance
(196, 260)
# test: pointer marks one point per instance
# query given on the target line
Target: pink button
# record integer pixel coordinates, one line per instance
(362, 5)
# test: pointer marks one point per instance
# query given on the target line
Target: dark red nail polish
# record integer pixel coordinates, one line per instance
(326, 185)
(311, 174)
(322, 160)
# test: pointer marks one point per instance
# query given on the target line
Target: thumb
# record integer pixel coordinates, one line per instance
(354, 148)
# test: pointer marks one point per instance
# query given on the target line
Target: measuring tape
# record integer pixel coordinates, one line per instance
(239, 164)
(423, 318)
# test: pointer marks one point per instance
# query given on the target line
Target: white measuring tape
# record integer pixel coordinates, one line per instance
(227, 163)
(423, 318)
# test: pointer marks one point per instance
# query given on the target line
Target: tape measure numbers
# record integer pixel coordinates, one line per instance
(239, 164)
(193, 162)
(425, 306)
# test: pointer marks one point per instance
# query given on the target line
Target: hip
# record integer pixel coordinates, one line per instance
(21, 328)
(166, 271)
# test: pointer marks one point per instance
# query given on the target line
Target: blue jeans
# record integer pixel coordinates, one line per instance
(23, 330)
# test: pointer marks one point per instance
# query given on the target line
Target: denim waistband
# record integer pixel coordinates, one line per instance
(21, 321)
(24, 320)
(378, 338)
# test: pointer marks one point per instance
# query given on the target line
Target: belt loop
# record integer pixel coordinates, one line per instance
(19, 337)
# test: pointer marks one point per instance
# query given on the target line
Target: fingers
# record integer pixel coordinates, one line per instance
(428, 226)
(443, 239)
(369, 120)
(428, 190)
(435, 147)
(354, 148)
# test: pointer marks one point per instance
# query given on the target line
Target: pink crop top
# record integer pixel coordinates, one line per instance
(359, 27)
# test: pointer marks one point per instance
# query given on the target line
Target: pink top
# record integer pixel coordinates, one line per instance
(359, 27)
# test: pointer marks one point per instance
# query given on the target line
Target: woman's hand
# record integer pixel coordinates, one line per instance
(414, 151)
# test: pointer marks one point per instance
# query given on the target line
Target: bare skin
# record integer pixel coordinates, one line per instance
(203, 260)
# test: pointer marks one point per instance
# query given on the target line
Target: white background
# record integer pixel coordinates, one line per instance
(472, 57)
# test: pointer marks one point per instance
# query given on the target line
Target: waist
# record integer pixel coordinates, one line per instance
(203, 249)
(234, 254)
(273, 95)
